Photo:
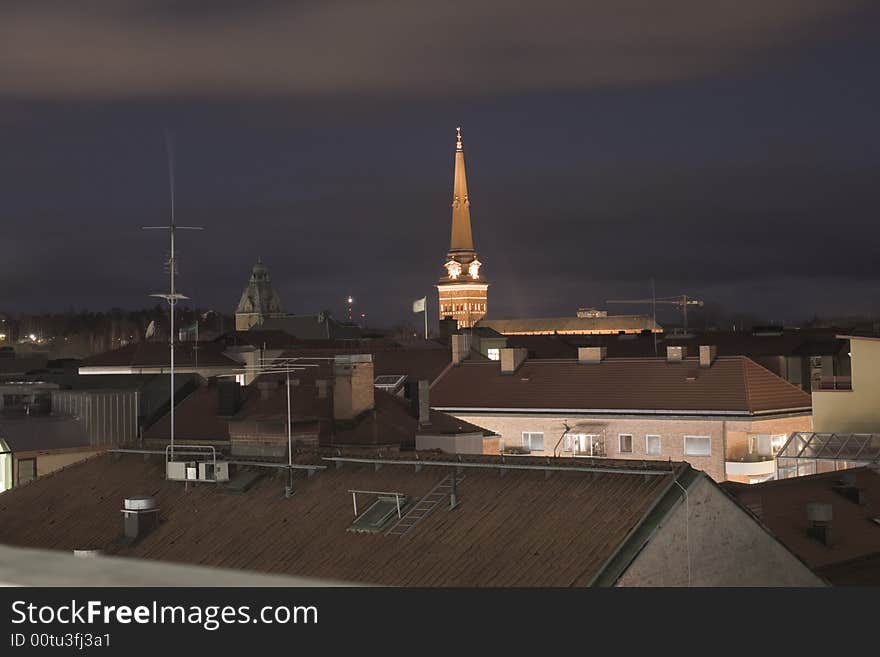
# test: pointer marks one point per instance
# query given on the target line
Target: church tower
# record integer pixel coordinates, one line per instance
(462, 291)
(259, 301)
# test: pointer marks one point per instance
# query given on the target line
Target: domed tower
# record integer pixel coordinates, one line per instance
(259, 301)
(463, 291)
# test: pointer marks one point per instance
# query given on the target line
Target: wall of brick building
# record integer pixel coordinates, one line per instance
(51, 460)
(467, 306)
(671, 430)
(471, 443)
(711, 541)
(738, 447)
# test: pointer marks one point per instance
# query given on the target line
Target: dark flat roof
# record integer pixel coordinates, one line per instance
(36, 432)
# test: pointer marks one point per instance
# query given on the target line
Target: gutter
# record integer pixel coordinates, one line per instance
(620, 411)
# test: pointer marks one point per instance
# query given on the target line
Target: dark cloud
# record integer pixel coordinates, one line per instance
(729, 153)
(141, 48)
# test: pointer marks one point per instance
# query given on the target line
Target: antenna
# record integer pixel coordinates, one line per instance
(281, 365)
(172, 296)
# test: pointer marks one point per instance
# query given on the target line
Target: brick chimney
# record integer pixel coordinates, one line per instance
(321, 385)
(676, 354)
(461, 347)
(512, 358)
(353, 391)
(266, 388)
(592, 354)
(424, 402)
(707, 354)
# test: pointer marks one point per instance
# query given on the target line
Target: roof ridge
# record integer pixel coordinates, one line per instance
(746, 386)
(763, 369)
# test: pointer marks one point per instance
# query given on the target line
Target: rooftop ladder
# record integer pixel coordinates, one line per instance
(421, 509)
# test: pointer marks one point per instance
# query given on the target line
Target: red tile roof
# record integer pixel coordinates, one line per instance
(728, 343)
(516, 530)
(391, 423)
(782, 506)
(195, 418)
(731, 385)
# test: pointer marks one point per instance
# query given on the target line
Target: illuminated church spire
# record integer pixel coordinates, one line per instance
(461, 206)
(462, 291)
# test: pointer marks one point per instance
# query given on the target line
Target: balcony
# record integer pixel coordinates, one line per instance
(834, 383)
(755, 466)
(745, 463)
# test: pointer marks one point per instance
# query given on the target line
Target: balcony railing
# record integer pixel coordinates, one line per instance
(741, 454)
(834, 383)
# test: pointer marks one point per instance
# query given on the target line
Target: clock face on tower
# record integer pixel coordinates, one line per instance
(474, 269)
(453, 268)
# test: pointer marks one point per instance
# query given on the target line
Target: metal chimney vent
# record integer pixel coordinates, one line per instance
(820, 516)
(139, 516)
(87, 553)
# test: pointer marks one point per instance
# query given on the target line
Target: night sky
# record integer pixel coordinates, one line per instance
(730, 150)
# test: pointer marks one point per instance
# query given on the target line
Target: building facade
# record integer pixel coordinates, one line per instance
(463, 292)
(852, 404)
(726, 416)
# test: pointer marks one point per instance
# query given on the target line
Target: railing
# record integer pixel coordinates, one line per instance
(598, 451)
(741, 454)
(834, 383)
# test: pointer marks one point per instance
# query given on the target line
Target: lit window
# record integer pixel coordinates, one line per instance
(626, 443)
(697, 445)
(652, 445)
(583, 444)
(533, 441)
(760, 444)
(493, 354)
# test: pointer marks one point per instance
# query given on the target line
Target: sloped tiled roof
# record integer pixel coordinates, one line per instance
(390, 423)
(805, 342)
(518, 530)
(195, 418)
(854, 555)
(731, 384)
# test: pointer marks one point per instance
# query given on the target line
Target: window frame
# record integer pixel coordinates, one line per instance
(529, 445)
(18, 464)
(659, 438)
(620, 449)
(685, 443)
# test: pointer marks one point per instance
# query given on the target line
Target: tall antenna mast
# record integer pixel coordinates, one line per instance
(172, 297)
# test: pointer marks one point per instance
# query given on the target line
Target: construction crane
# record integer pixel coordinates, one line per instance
(682, 301)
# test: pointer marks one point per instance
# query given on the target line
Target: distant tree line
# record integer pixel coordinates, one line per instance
(73, 334)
